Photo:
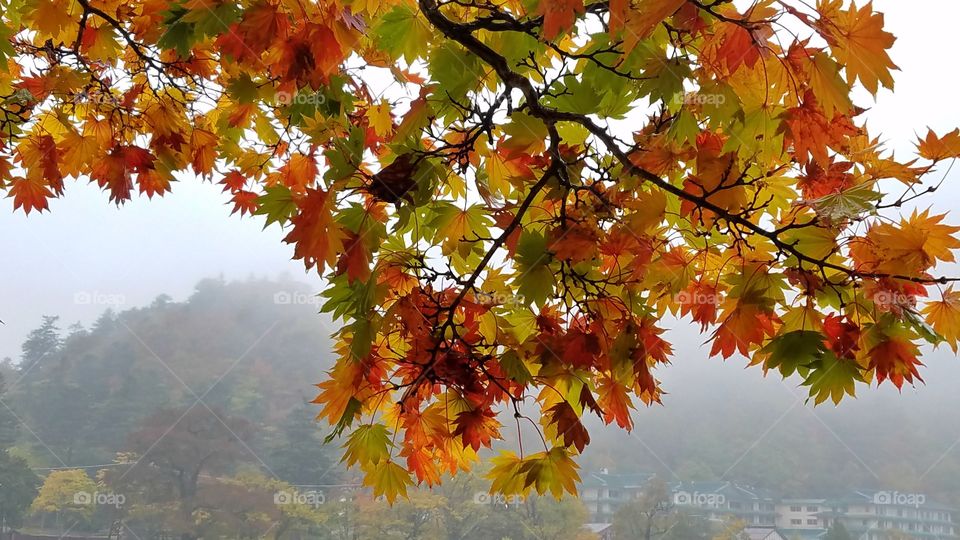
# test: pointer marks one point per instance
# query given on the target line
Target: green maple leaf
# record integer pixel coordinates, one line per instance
(832, 377)
(403, 34)
(793, 351)
(277, 205)
(368, 444)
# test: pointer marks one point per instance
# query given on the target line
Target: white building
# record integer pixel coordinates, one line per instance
(870, 515)
(800, 514)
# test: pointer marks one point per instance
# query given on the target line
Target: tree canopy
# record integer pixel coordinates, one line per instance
(508, 197)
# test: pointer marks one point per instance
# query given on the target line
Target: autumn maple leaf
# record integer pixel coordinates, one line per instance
(615, 402)
(860, 44)
(742, 328)
(910, 247)
(30, 194)
(936, 148)
(559, 15)
(355, 259)
(317, 238)
(568, 427)
(944, 316)
(896, 360)
(477, 427)
(244, 202)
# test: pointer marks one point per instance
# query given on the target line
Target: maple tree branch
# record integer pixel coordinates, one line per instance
(467, 286)
(464, 36)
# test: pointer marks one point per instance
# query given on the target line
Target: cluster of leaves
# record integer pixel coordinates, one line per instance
(491, 234)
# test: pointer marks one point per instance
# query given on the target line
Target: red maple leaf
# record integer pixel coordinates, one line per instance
(355, 259)
(244, 202)
(31, 194)
(896, 360)
(477, 427)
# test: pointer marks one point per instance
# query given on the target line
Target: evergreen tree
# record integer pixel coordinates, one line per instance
(299, 455)
(837, 532)
(18, 487)
(40, 343)
(18, 484)
(8, 421)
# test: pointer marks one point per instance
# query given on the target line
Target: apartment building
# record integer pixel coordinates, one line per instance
(867, 515)
(718, 501)
(801, 514)
(603, 493)
(872, 515)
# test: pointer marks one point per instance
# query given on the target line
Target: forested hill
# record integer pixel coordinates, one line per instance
(252, 349)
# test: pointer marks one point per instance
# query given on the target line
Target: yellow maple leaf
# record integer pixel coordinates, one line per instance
(388, 480)
(832, 93)
(53, 19)
(937, 148)
(859, 43)
(380, 118)
(203, 150)
(554, 471)
(944, 317)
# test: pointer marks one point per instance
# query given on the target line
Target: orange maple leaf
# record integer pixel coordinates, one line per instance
(244, 202)
(944, 316)
(936, 148)
(317, 238)
(615, 403)
(744, 327)
(559, 15)
(30, 194)
(896, 360)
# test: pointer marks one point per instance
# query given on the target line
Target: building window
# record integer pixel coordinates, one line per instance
(811, 521)
(796, 509)
(796, 522)
(812, 509)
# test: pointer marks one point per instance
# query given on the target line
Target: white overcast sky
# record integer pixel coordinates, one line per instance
(88, 249)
